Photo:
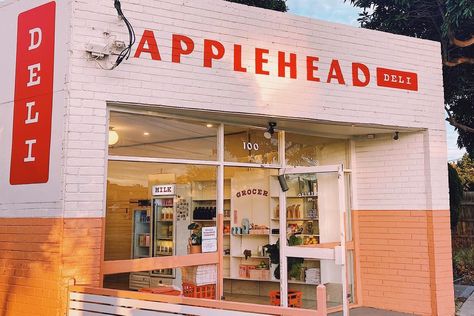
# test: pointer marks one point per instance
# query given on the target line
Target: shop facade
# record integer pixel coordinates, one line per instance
(305, 152)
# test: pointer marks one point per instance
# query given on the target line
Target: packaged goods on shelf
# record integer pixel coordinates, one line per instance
(200, 275)
(259, 274)
(259, 232)
(244, 270)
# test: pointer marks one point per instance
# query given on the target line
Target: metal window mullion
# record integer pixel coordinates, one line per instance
(342, 228)
(250, 165)
(163, 160)
(282, 226)
(220, 169)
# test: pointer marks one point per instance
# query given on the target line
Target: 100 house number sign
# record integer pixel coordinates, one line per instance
(250, 146)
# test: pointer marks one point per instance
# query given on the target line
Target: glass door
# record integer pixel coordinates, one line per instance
(312, 220)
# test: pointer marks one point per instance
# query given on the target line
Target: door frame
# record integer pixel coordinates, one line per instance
(333, 251)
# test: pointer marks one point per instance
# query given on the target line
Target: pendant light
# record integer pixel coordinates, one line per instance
(113, 137)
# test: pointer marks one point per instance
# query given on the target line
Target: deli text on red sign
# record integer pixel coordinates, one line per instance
(33, 100)
(214, 51)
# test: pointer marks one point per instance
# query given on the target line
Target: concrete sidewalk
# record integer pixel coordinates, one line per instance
(366, 311)
(467, 309)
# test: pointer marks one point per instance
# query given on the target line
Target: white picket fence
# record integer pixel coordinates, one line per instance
(93, 305)
(95, 302)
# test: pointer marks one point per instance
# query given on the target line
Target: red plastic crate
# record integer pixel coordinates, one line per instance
(295, 298)
(199, 291)
(166, 290)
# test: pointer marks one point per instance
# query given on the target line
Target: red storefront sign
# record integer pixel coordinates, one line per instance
(397, 79)
(359, 76)
(33, 101)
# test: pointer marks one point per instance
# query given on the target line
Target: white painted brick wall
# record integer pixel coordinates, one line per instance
(408, 174)
(389, 175)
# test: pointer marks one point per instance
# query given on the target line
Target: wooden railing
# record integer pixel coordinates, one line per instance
(87, 301)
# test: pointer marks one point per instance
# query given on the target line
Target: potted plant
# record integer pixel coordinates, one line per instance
(195, 240)
(295, 265)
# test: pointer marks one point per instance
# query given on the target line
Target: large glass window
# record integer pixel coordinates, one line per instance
(312, 221)
(311, 151)
(142, 217)
(151, 136)
(150, 210)
(161, 209)
(249, 145)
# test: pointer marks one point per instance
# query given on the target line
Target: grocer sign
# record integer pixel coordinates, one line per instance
(33, 100)
(359, 76)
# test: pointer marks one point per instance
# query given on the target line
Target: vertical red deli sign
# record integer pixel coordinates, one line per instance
(33, 102)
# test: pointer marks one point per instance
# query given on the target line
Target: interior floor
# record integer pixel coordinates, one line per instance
(261, 300)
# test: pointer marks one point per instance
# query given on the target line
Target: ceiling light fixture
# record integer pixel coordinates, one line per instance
(113, 137)
(146, 134)
(209, 125)
(270, 130)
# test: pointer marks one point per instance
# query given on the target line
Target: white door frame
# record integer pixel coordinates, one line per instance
(338, 253)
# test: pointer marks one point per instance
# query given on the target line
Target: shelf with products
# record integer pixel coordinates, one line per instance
(204, 200)
(211, 200)
(141, 233)
(297, 219)
(164, 226)
(250, 235)
(252, 257)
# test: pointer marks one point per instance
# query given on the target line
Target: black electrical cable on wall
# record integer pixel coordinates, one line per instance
(125, 53)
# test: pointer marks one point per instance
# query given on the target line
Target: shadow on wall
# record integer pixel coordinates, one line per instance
(40, 257)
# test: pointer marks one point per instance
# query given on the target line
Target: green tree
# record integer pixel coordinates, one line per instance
(455, 195)
(277, 5)
(450, 22)
(465, 169)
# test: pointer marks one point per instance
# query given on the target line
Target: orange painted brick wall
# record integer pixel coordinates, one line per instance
(40, 257)
(405, 261)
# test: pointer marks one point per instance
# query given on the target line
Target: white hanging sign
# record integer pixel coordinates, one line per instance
(167, 189)
(209, 233)
(209, 245)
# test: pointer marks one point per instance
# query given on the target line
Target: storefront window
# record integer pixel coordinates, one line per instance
(156, 210)
(311, 151)
(161, 209)
(313, 223)
(152, 136)
(249, 145)
(304, 275)
(248, 231)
